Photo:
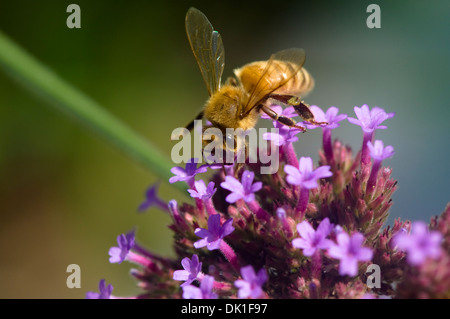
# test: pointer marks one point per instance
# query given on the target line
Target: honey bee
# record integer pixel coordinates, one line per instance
(240, 101)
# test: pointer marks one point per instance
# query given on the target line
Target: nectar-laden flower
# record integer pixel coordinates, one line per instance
(251, 284)
(420, 244)
(125, 243)
(192, 270)
(201, 191)
(284, 135)
(349, 251)
(104, 291)
(152, 199)
(204, 292)
(241, 190)
(370, 120)
(212, 237)
(188, 173)
(330, 116)
(313, 240)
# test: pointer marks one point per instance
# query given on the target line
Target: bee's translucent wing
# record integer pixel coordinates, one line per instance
(207, 46)
(279, 74)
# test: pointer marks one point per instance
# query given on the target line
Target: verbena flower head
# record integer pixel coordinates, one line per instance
(251, 284)
(212, 237)
(420, 244)
(349, 251)
(305, 175)
(204, 292)
(201, 191)
(294, 227)
(192, 269)
(104, 291)
(241, 190)
(370, 120)
(125, 243)
(331, 116)
(188, 173)
(378, 151)
(313, 240)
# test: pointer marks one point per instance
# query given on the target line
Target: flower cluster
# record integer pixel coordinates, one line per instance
(306, 231)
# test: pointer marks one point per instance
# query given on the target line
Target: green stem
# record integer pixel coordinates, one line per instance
(43, 82)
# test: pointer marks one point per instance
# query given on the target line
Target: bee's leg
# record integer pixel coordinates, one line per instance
(300, 107)
(190, 126)
(282, 119)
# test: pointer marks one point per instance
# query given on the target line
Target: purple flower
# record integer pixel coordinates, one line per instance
(420, 244)
(251, 284)
(370, 120)
(284, 135)
(105, 292)
(378, 152)
(192, 269)
(212, 237)
(188, 173)
(204, 292)
(331, 117)
(311, 241)
(201, 191)
(152, 199)
(125, 243)
(305, 176)
(349, 251)
(241, 190)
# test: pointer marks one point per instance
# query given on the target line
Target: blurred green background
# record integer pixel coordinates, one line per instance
(65, 195)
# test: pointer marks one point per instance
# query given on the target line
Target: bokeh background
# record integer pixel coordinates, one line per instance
(65, 194)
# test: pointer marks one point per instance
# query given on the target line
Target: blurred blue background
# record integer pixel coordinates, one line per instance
(65, 195)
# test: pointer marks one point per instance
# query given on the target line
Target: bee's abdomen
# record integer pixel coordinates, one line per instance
(280, 78)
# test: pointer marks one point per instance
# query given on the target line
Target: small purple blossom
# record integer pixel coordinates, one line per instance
(378, 152)
(125, 243)
(251, 284)
(204, 292)
(283, 136)
(192, 270)
(212, 237)
(420, 244)
(304, 175)
(152, 199)
(201, 191)
(310, 240)
(188, 173)
(331, 117)
(241, 190)
(105, 291)
(349, 251)
(370, 120)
